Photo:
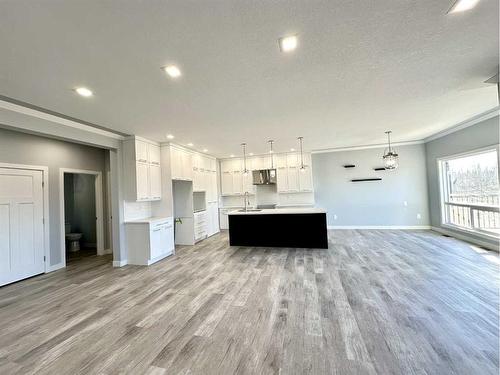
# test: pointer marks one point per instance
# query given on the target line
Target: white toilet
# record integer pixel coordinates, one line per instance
(72, 239)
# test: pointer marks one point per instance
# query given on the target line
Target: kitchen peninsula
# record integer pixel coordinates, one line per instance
(280, 227)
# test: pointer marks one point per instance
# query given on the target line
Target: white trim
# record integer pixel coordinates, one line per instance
(46, 116)
(120, 263)
(184, 148)
(382, 227)
(137, 138)
(365, 147)
(465, 124)
(475, 241)
(46, 215)
(99, 209)
(55, 267)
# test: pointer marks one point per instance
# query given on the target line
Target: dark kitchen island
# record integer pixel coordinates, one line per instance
(280, 227)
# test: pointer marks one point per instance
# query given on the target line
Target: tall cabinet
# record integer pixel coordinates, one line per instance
(141, 159)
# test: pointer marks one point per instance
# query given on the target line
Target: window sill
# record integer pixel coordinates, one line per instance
(477, 233)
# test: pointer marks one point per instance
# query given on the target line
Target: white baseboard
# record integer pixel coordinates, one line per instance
(55, 267)
(389, 227)
(464, 237)
(120, 263)
(105, 252)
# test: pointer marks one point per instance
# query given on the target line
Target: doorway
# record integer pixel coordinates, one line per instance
(82, 232)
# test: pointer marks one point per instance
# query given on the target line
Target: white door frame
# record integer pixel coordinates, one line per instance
(45, 192)
(99, 209)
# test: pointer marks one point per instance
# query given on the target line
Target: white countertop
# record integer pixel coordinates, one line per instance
(147, 220)
(279, 211)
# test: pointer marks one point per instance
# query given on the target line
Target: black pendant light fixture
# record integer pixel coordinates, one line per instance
(302, 167)
(391, 158)
(245, 170)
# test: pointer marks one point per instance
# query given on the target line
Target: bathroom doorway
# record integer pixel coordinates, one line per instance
(82, 234)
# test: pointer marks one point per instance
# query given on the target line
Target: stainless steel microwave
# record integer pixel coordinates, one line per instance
(264, 177)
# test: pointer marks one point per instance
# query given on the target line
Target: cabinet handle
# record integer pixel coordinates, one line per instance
(143, 160)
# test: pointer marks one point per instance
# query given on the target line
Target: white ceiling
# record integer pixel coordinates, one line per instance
(362, 67)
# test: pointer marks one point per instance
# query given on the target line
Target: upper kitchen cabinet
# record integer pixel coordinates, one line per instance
(181, 164)
(142, 179)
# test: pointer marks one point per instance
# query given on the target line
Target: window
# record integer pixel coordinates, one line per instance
(470, 192)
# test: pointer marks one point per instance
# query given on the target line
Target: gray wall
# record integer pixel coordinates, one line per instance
(380, 203)
(474, 137)
(20, 148)
(79, 206)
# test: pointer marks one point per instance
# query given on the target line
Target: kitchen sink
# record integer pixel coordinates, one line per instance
(250, 210)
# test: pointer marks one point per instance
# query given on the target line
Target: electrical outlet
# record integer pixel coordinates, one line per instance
(419, 216)
(334, 217)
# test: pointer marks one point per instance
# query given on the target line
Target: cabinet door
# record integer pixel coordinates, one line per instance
(226, 165)
(175, 163)
(224, 221)
(187, 165)
(291, 160)
(280, 160)
(237, 165)
(227, 183)
(155, 181)
(305, 180)
(282, 180)
(307, 159)
(237, 183)
(141, 151)
(154, 154)
(160, 242)
(142, 172)
(293, 179)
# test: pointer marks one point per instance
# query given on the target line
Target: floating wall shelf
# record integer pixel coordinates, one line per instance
(379, 169)
(349, 166)
(366, 179)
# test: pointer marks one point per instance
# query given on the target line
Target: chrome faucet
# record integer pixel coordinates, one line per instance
(246, 199)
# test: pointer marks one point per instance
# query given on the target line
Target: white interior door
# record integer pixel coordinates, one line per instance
(21, 224)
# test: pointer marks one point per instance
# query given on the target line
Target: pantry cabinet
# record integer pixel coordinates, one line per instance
(181, 164)
(141, 159)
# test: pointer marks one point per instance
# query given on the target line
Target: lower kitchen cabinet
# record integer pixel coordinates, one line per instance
(149, 240)
(200, 226)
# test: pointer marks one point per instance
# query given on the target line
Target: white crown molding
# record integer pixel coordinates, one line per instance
(180, 147)
(355, 148)
(465, 124)
(56, 119)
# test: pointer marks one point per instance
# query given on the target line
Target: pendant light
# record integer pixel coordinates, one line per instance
(302, 167)
(271, 151)
(390, 156)
(245, 170)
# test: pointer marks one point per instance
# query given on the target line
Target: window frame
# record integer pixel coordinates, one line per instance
(443, 189)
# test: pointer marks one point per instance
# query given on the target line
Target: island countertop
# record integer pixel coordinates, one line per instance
(280, 211)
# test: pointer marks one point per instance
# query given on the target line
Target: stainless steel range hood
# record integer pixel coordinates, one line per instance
(264, 177)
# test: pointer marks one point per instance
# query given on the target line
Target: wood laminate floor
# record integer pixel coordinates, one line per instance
(375, 302)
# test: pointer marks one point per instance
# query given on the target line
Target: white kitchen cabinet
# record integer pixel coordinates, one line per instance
(200, 226)
(212, 218)
(305, 180)
(142, 177)
(141, 151)
(149, 240)
(227, 183)
(154, 154)
(181, 164)
(291, 160)
(248, 185)
(237, 183)
(155, 181)
(293, 179)
(224, 220)
(282, 179)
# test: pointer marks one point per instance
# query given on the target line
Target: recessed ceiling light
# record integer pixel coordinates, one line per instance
(205, 150)
(83, 91)
(462, 6)
(292, 149)
(231, 156)
(170, 136)
(288, 43)
(190, 144)
(172, 70)
(251, 154)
